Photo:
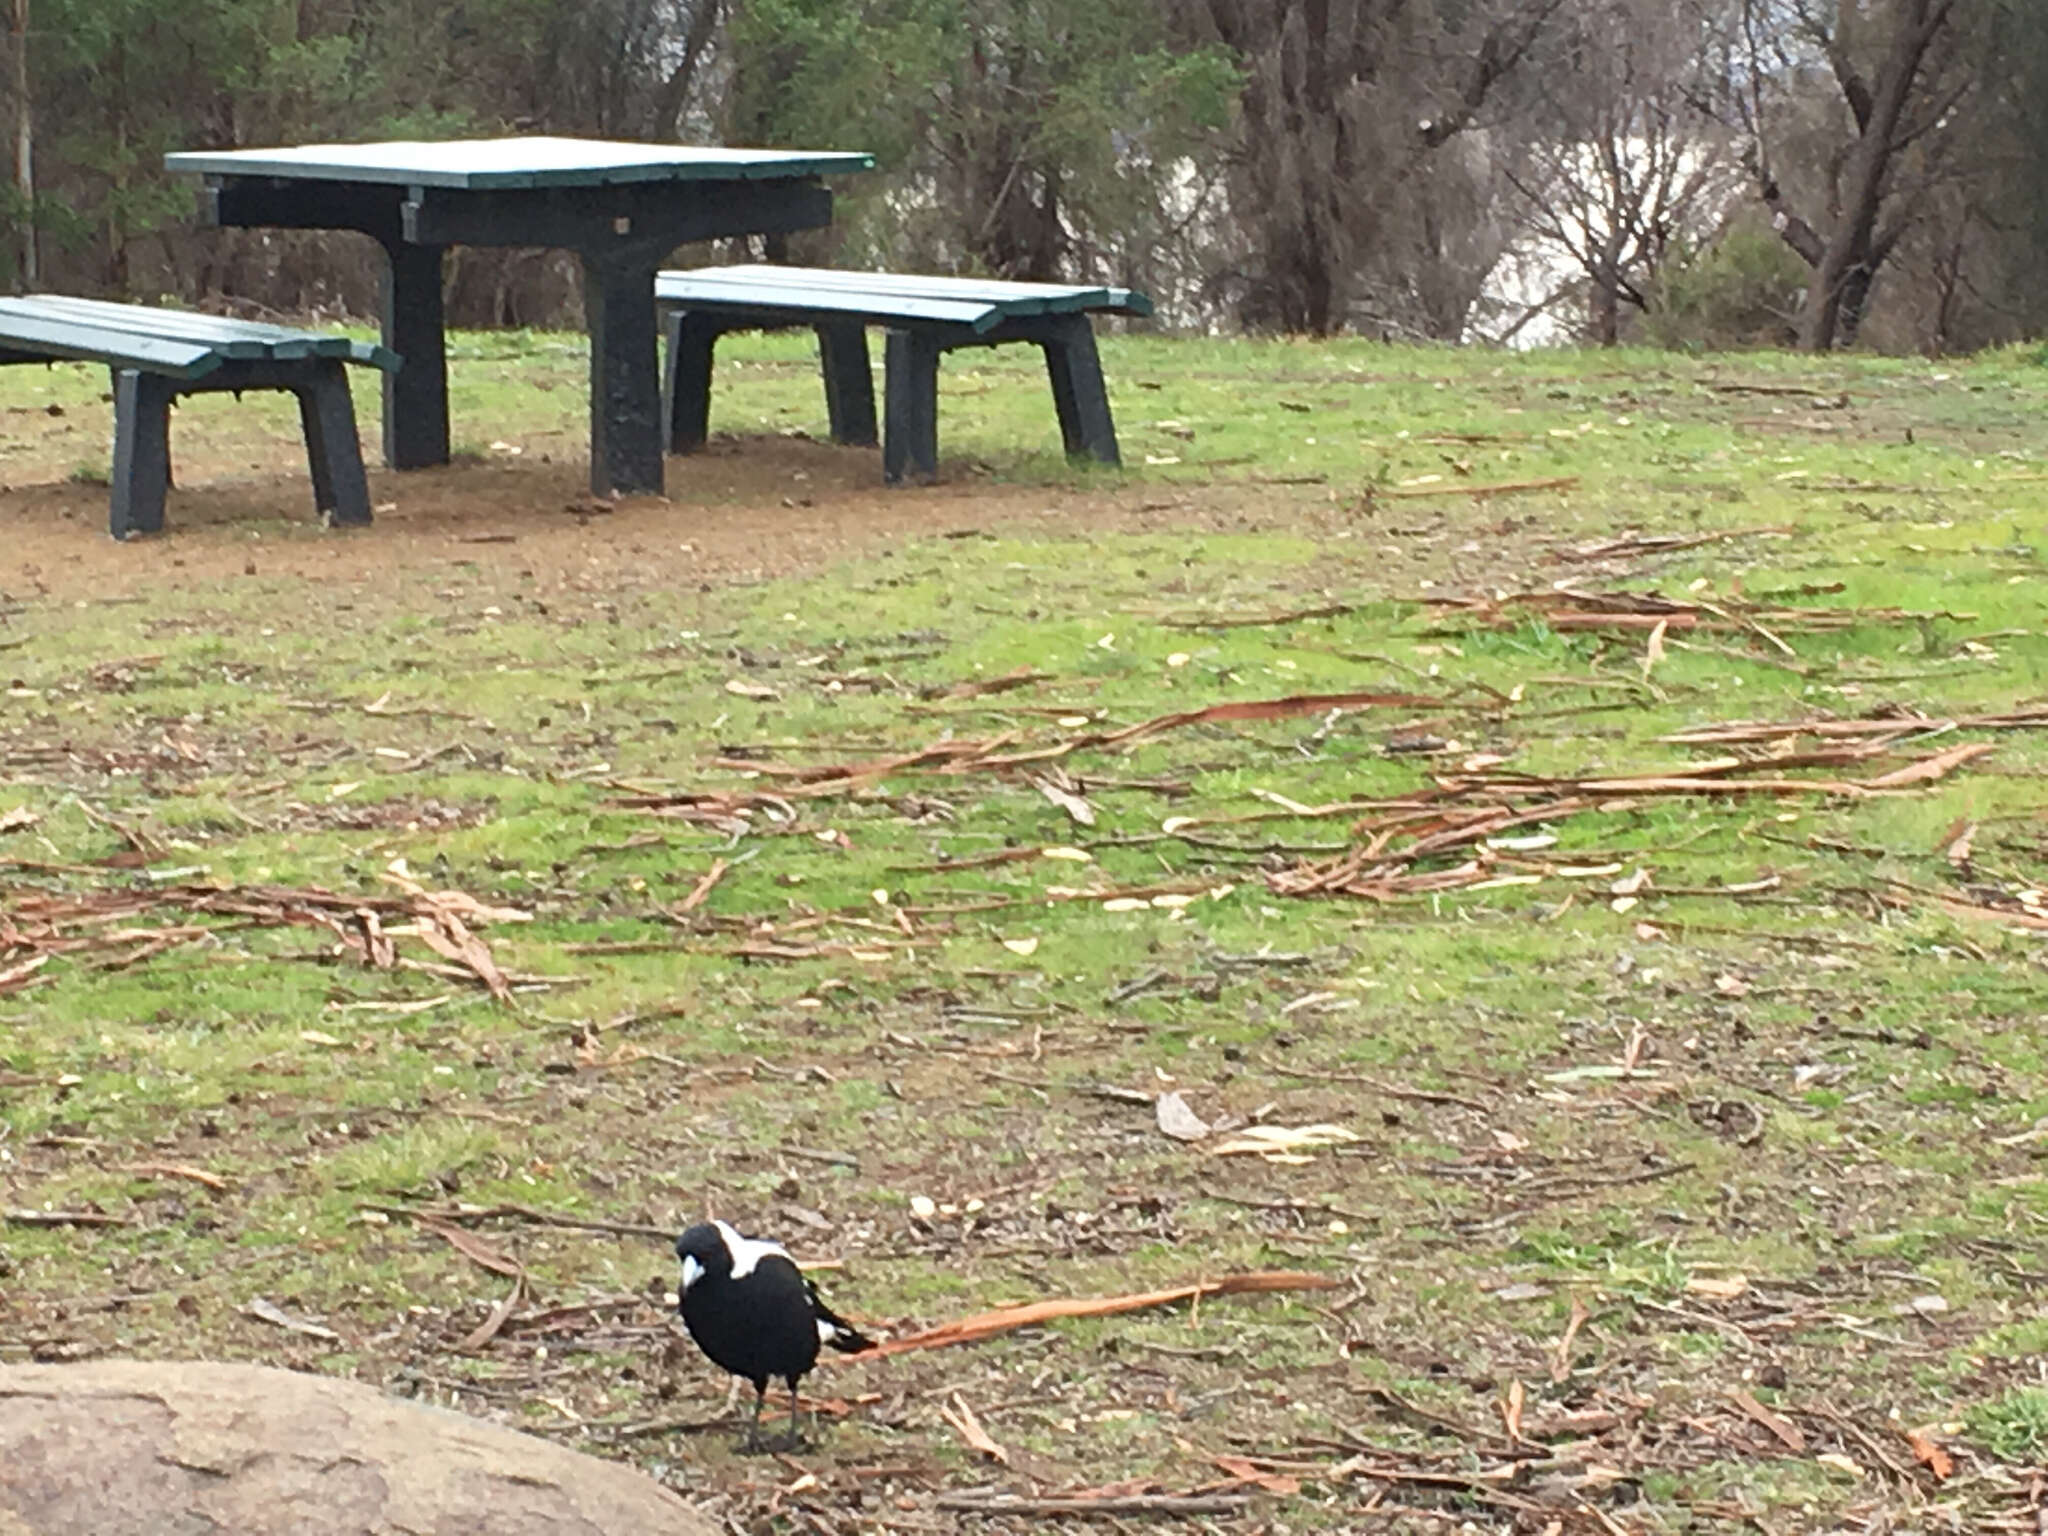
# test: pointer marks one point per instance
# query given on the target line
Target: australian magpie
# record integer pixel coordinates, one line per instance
(754, 1313)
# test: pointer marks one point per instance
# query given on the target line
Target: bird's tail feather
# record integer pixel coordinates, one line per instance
(837, 1331)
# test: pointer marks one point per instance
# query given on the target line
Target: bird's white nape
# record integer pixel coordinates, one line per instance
(746, 1252)
(693, 1271)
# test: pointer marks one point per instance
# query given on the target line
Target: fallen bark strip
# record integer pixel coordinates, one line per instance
(1881, 727)
(1664, 543)
(1496, 488)
(177, 1171)
(20, 1218)
(1900, 893)
(1255, 620)
(990, 754)
(984, 1325)
(1099, 1509)
(528, 1213)
(1572, 609)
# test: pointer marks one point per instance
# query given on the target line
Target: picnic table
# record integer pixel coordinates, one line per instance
(621, 207)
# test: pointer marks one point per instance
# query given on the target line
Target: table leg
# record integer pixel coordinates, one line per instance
(415, 327)
(625, 374)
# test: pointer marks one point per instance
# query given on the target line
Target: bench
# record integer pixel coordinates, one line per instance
(925, 316)
(158, 354)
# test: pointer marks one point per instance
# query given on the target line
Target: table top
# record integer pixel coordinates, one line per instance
(477, 164)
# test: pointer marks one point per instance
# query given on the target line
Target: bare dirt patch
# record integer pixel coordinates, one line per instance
(744, 511)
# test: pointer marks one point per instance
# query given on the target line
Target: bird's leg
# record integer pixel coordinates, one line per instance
(796, 1424)
(754, 1427)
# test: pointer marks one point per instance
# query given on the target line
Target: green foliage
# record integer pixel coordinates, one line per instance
(2015, 1427)
(1020, 139)
(1742, 290)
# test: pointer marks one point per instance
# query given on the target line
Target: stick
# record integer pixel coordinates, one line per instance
(518, 1213)
(176, 1171)
(1499, 488)
(1128, 1504)
(983, 1325)
(63, 1219)
(702, 888)
(1391, 1090)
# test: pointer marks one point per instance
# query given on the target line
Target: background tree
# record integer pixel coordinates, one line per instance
(1900, 72)
(1344, 102)
(1408, 168)
(1625, 161)
(1023, 138)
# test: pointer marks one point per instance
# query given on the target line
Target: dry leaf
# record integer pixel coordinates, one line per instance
(1076, 807)
(1720, 1288)
(1242, 1470)
(1631, 884)
(962, 1418)
(270, 1312)
(1782, 1429)
(488, 1329)
(1654, 651)
(1561, 1357)
(473, 1248)
(18, 819)
(1957, 842)
(1177, 1120)
(1026, 947)
(1283, 1143)
(747, 690)
(316, 1037)
(1928, 1452)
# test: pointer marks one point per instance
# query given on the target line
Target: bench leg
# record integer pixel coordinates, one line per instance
(1078, 393)
(625, 373)
(849, 385)
(170, 479)
(686, 380)
(142, 452)
(911, 408)
(415, 327)
(341, 492)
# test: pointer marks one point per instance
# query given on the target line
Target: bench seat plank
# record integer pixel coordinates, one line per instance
(230, 338)
(158, 354)
(767, 301)
(974, 289)
(37, 339)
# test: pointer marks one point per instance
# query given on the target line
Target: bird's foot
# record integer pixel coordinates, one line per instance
(754, 1443)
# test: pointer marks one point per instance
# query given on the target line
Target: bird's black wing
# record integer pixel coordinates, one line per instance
(834, 1329)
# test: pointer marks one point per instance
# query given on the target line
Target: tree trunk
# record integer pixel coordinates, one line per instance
(25, 148)
(1850, 255)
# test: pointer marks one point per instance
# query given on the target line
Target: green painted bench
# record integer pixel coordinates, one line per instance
(924, 316)
(158, 354)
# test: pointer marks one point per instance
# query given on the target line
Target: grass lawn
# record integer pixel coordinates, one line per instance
(1607, 793)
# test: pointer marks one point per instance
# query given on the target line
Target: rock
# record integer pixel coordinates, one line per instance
(143, 1448)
